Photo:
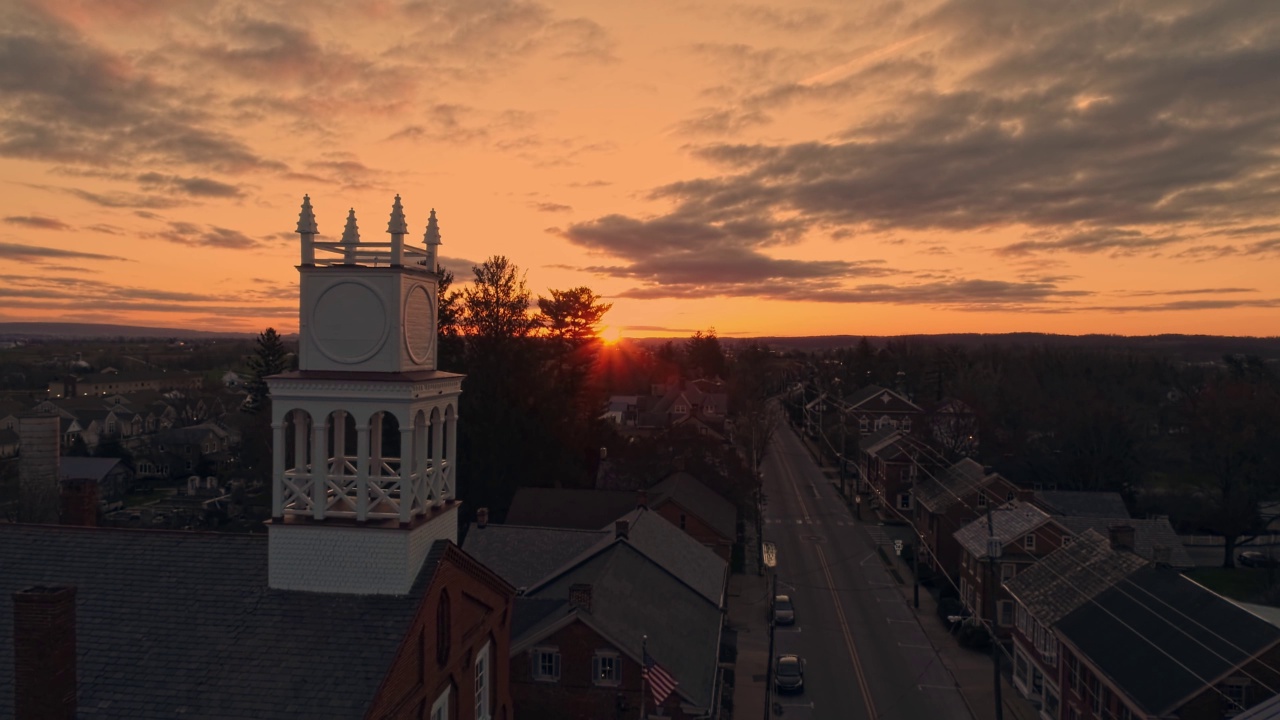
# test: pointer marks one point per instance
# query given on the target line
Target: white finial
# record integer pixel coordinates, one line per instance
(397, 225)
(350, 238)
(432, 236)
(306, 219)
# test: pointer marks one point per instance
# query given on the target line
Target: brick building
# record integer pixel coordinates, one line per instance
(946, 501)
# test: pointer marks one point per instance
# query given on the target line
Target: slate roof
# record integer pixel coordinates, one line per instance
(523, 555)
(1070, 576)
(1010, 522)
(632, 597)
(942, 490)
(182, 625)
(691, 494)
(1079, 503)
(1147, 535)
(85, 468)
(569, 508)
(1138, 634)
(868, 443)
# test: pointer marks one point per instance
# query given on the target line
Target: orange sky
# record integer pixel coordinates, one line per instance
(765, 169)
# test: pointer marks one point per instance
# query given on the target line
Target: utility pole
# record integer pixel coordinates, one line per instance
(768, 675)
(993, 551)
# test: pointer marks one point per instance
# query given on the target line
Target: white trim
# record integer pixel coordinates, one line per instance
(440, 708)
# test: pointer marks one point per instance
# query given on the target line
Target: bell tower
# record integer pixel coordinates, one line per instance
(364, 433)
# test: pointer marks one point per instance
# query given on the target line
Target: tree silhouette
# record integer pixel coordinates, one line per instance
(270, 357)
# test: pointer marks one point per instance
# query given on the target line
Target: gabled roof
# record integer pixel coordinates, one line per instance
(874, 398)
(1070, 576)
(691, 494)
(869, 443)
(182, 624)
(523, 555)
(85, 468)
(943, 489)
(1147, 535)
(569, 508)
(631, 597)
(1140, 634)
(1081, 503)
(1009, 522)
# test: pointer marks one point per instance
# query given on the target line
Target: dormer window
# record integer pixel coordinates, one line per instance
(982, 499)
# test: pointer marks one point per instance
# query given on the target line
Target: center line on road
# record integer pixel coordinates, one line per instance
(848, 637)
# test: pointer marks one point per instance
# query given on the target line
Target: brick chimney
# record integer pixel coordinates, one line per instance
(642, 500)
(44, 653)
(621, 529)
(80, 502)
(580, 596)
(1121, 537)
(482, 517)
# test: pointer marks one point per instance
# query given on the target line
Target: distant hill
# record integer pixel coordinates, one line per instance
(54, 330)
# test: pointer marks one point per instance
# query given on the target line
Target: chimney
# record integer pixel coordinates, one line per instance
(1121, 537)
(80, 502)
(1024, 494)
(1162, 555)
(580, 596)
(621, 529)
(642, 500)
(44, 653)
(38, 500)
(482, 517)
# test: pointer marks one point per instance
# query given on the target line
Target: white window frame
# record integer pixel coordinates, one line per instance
(482, 673)
(550, 653)
(1000, 612)
(597, 669)
(440, 708)
(1029, 541)
(982, 499)
(1007, 572)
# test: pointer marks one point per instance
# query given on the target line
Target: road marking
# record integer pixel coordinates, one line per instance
(936, 687)
(848, 637)
(917, 647)
(804, 509)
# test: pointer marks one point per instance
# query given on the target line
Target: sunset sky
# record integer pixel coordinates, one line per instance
(794, 168)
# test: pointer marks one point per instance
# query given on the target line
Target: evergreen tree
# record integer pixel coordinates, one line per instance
(270, 357)
(448, 322)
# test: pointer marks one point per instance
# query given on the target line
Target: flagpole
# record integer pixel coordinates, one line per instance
(644, 672)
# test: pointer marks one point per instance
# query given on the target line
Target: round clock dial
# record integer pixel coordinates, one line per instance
(349, 322)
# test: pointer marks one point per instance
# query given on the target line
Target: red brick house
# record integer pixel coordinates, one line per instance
(888, 466)
(698, 510)
(874, 408)
(946, 501)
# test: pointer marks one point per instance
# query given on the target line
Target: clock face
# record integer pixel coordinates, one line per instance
(349, 322)
(420, 325)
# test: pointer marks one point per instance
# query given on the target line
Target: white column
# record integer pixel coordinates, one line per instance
(450, 467)
(362, 472)
(437, 460)
(277, 470)
(339, 466)
(319, 466)
(409, 482)
(375, 445)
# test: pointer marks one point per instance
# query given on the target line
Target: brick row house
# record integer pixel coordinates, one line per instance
(1103, 633)
(946, 501)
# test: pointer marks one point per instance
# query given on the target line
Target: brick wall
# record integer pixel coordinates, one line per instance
(44, 653)
(38, 469)
(697, 529)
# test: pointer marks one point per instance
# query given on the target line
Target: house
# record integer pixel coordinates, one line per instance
(179, 452)
(1154, 539)
(887, 464)
(112, 477)
(1023, 533)
(589, 599)
(948, 500)
(697, 510)
(111, 382)
(874, 408)
(187, 593)
(1101, 633)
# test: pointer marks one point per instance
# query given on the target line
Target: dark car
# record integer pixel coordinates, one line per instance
(788, 674)
(783, 612)
(1255, 559)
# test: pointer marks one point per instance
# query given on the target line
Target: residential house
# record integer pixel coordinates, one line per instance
(163, 604)
(1154, 539)
(697, 510)
(946, 501)
(888, 465)
(1021, 534)
(874, 408)
(579, 632)
(178, 452)
(112, 477)
(113, 382)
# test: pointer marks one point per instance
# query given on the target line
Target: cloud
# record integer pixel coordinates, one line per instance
(550, 207)
(82, 294)
(15, 251)
(1118, 241)
(37, 222)
(124, 199)
(194, 186)
(192, 235)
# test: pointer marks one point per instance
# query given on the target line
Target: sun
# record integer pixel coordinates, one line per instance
(610, 335)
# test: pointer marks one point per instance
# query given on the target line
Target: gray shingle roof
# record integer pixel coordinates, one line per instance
(523, 555)
(632, 597)
(868, 443)
(1010, 521)
(944, 489)
(1138, 633)
(689, 492)
(569, 508)
(1070, 576)
(85, 468)
(1147, 535)
(174, 624)
(1079, 503)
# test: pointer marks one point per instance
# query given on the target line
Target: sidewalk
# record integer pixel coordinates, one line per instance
(749, 616)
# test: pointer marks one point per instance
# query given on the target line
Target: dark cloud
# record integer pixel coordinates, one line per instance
(15, 251)
(550, 207)
(661, 329)
(81, 294)
(124, 199)
(1185, 305)
(1193, 291)
(192, 235)
(1118, 241)
(37, 222)
(194, 186)
(105, 229)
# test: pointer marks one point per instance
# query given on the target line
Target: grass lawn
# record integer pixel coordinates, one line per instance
(1243, 584)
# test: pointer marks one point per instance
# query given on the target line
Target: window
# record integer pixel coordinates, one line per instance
(1037, 682)
(482, 683)
(1236, 688)
(906, 425)
(440, 709)
(1021, 669)
(1029, 541)
(1007, 571)
(1050, 702)
(1095, 694)
(1022, 617)
(546, 664)
(904, 500)
(1073, 677)
(1124, 713)
(1004, 610)
(444, 627)
(982, 499)
(863, 425)
(604, 668)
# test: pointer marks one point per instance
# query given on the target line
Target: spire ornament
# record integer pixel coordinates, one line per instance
(350, 238)
(307, 229)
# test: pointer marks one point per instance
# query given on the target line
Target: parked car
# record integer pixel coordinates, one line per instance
(788, 673)
(1256, 559)
(784, 613)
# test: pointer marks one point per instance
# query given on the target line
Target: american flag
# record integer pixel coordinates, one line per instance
(660, 681)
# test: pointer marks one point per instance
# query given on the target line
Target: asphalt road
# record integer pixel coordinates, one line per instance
(866, 655)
